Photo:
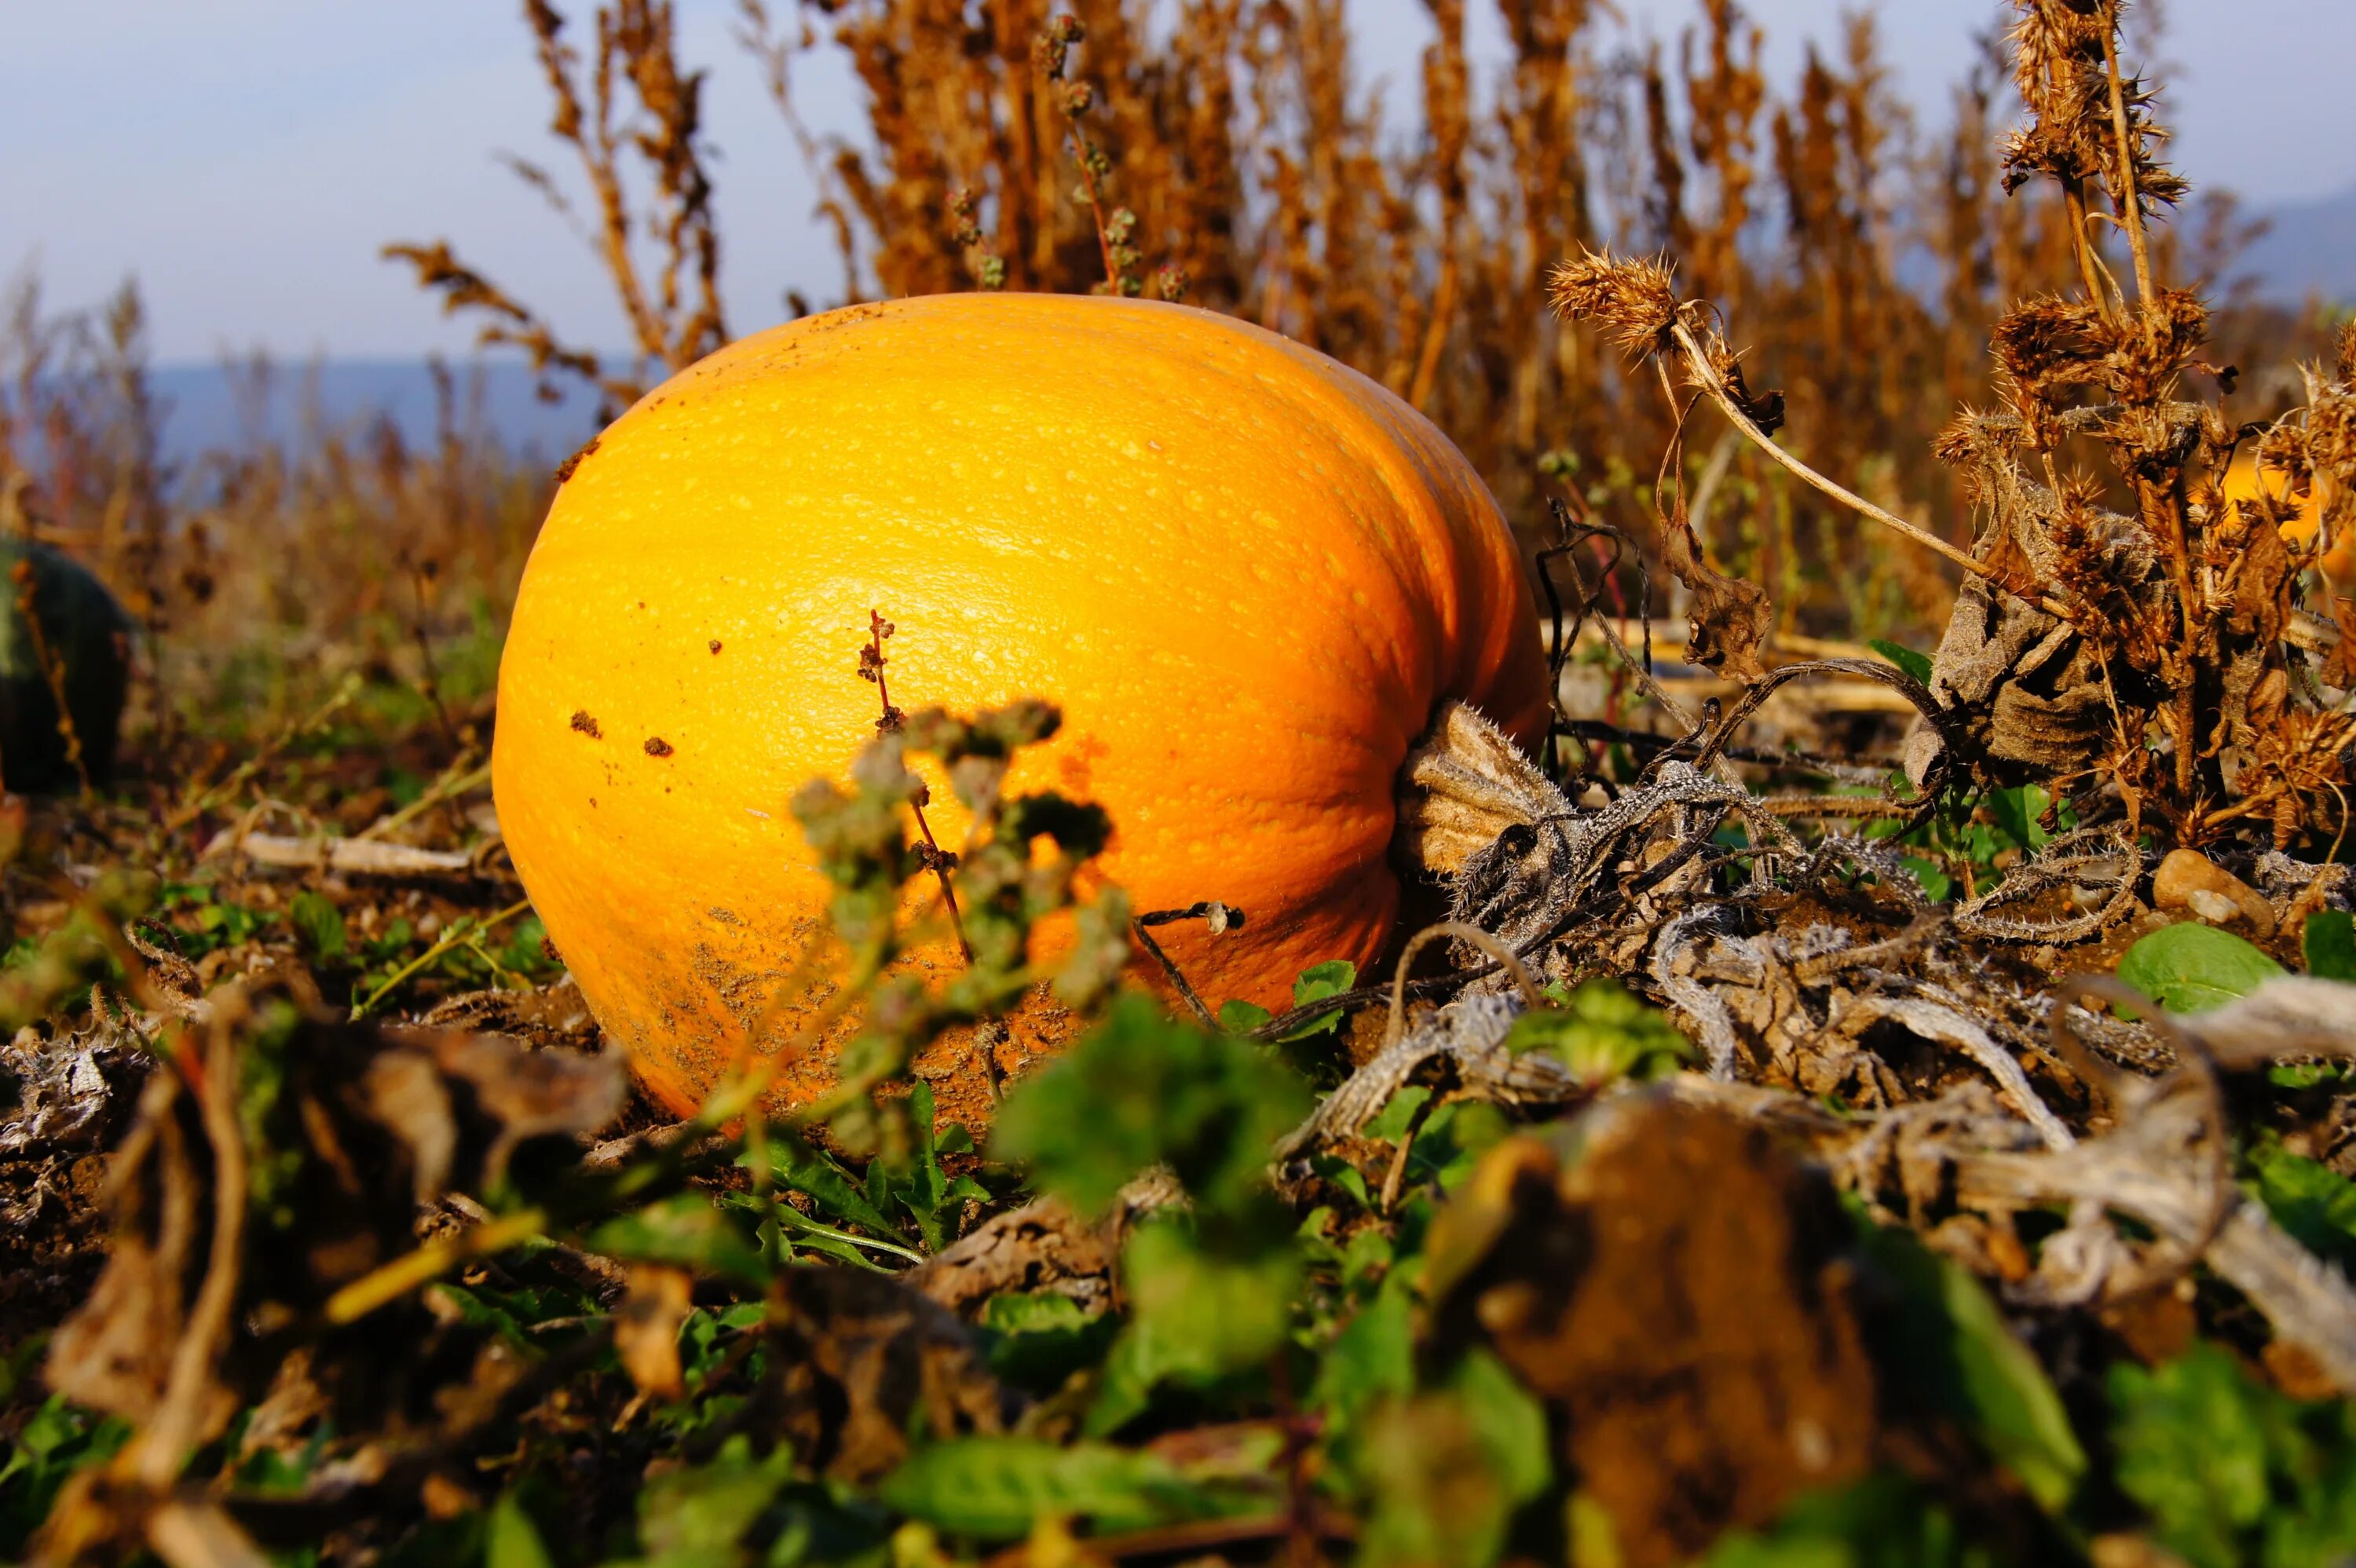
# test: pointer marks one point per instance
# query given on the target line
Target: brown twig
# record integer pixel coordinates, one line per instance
(1221, 918)
(1705, 375)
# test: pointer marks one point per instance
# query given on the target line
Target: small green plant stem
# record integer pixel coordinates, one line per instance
(449, 786)
(454, 937)
(795, 1220)
(757, 1150)
(430, 1261)
(205, 802)
(877, 629)
(1113, 279)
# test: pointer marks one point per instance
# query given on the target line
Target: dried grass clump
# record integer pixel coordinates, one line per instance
(262, 573)
(1230, 154)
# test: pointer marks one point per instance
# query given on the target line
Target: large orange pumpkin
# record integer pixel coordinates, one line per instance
(2246, 481)
(1250, 576)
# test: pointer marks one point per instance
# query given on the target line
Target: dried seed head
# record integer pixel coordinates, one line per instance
(2151, 344)
(2049, 342)
(2331, 436)
(1633, 301)
(2057, 54)
(2286, 450)
(2149, 444)
(2061, 55)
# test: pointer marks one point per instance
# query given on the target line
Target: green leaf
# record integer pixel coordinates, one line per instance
(1205, 1312)
(2329, 943)
(1391, 1123)
(1199, 1314)
(1031, 1312)
(819, 1176)
(1509, 1422)
(925, 1190)
(1935, 882)
(1963, 1357)
(1037, 1339)
(1441, 1477)
(2018, 811)
(2190, 967)
(691, 1514)
(688, 1229)
(1240, 1017)
(1318, 982)
(2304, 1075)
(526, 951)
(319, 926)
(1373, 1358)
(1142, 1089)
(998, 1488)
(511, 1539)
(2191, 1443)
(57, 1440)
(1603, 1032)
(1905, 659)
(2308, 1199)
(1452, 1141)
(2230, 1471)
(1881, 1521)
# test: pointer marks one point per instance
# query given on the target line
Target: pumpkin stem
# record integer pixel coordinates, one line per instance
(1463, 784)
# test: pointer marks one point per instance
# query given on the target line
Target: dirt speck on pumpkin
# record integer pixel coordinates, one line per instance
(716, 645)
(658, 747)
(1679, 1296)
(1076, 768)
(565, 470)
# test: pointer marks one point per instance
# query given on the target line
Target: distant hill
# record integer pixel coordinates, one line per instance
(2310, 251)
(212, 407)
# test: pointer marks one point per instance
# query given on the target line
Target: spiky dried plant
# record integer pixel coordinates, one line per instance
(2124, 631)
(2155, 651)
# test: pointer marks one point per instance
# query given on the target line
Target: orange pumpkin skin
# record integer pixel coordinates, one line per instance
(1247, 575)
(2246, 481)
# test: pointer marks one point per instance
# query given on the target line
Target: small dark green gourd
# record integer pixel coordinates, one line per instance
(86, 635)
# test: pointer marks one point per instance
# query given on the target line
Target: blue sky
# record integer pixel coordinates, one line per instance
(246, 157)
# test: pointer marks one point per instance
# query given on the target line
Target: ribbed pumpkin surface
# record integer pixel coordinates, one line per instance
(1248, 575)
